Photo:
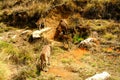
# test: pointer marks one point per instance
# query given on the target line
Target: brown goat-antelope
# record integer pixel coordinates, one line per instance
(45, 56)
(61, 29)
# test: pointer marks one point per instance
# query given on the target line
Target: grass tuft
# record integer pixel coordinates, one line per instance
(4, 71)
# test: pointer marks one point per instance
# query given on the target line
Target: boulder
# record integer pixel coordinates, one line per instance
(37, 33)
(88, 43)
(101, 76)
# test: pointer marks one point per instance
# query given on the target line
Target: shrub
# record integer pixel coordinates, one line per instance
(77, 39)
(109, 36)
(97, 9)
(112, 9)
(13, 53)
(93, 10)
(26, 72)
(57, 50)
(17, 56)
(26, 13)
(3, 44)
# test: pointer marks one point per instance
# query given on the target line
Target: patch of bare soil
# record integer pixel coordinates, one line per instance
(59, 70)
(62, 73)
(53, 19)
(75, 55)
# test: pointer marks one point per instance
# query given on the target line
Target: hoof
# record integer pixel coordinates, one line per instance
(45, 70)
(48, 64)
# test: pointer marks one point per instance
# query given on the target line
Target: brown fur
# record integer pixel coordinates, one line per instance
(61, 29)
(45, 56)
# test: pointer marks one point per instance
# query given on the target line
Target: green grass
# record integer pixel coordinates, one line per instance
(22, 57)
(66, 61)
(9, 51)
(16, 55)
(77, 39)
(57, 50)
(3, 44)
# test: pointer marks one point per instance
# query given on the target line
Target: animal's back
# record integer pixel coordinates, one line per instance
(45, 56)
(46, 50)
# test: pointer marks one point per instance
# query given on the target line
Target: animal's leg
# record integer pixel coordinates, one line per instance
(42, 64)
(48, 60)
(45, 65)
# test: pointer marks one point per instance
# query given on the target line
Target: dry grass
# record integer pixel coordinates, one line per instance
(11, 54)
(100, 62)
(19, 57)
(99, 9)
(34, 10)
(109, 36)
(4, 71)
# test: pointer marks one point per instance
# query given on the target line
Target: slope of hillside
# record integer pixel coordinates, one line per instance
(19, 57)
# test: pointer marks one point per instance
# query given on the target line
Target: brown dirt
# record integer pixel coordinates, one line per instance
(52, 20)
(59, 70)
(74, 54)
(109, 50)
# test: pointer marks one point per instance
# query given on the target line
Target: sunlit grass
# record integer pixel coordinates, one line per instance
(4, 71)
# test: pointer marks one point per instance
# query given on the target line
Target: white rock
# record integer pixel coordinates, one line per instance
(14, 37)
(102, 76)
(26, 31)
(36, 34)
(88, 42)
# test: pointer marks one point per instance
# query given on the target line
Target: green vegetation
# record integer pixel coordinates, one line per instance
(57, 49)
(66, 61)
(3, 44)
(10, 52)
(77, 39)
(26, 72)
